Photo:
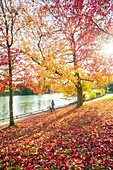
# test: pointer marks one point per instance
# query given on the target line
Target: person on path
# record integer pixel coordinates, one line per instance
(52, 105)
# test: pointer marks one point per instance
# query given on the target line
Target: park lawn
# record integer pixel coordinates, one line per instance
(72, 138)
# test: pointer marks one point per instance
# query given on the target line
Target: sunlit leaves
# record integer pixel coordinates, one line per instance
(70, 138)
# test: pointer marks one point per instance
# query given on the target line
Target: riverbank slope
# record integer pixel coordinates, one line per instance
(70, 138)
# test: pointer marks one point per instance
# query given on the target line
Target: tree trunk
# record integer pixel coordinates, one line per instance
(79, 96)
(10, 89)
(105, 90)
(79, 91)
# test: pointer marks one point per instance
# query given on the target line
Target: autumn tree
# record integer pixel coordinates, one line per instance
(81, 22)
(44, 49)
(75, 26)
(13, 63)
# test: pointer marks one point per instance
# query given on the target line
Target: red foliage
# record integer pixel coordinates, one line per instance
(81, 23)
(69, 139)
(22, 70)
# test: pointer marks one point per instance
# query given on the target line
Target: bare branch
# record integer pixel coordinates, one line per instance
(101, 29)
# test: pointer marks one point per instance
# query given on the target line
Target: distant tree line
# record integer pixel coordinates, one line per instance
(25, 91)
(110, 87)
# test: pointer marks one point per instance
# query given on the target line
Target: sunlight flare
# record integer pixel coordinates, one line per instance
(108, 48)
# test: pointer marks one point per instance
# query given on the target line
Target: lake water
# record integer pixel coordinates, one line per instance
(30, 104)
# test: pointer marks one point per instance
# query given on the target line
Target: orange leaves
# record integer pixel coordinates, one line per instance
(66, 139)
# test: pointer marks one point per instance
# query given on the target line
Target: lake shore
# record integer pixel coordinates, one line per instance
(27, 104)
(17, 119)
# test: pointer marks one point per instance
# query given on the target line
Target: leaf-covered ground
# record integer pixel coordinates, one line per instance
(70, 139)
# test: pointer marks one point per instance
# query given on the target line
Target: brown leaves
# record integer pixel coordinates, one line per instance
(68, 139)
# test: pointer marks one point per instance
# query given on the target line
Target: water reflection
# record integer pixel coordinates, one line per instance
(4, 109)
(4, 112)
(30, 103)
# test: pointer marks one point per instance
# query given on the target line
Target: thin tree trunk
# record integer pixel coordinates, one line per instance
(79, 91)
(10, 90)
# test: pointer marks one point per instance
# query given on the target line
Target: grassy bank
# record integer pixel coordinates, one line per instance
(71, 138)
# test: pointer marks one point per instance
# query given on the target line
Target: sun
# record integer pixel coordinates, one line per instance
(108, 48)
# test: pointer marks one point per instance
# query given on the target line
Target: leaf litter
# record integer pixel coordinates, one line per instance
(71, 138)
